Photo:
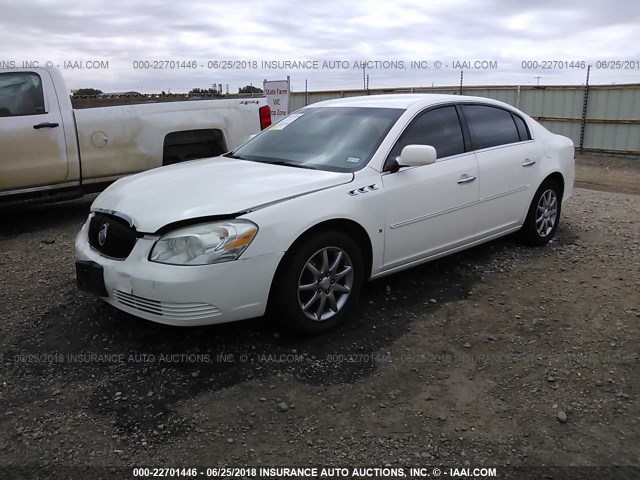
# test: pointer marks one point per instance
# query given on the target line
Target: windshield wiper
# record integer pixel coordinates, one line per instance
(292, 164)
(233, 155)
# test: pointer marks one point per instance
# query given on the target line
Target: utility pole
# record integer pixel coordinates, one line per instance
(538, 79)
(585, 102)
(364, 80)
(461, 77)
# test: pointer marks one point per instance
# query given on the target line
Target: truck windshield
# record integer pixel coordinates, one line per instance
(341, 139)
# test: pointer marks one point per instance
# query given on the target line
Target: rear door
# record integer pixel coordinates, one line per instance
(508, 165)
(32, 144)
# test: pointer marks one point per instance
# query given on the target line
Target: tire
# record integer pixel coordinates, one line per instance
(544, 214)
(310, 289)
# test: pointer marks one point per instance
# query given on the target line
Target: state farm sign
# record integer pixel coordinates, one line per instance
(277, 93)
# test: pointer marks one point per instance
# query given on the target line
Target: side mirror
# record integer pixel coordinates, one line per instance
(417, 155)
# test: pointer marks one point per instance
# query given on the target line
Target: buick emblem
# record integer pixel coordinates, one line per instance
(102, 234)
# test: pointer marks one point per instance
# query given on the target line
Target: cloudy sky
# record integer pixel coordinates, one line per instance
(504, 33)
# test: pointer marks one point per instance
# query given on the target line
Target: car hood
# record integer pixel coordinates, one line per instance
(209, 187)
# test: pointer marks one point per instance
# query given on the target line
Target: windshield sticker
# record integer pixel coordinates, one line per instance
(353, 159)
(286, 121)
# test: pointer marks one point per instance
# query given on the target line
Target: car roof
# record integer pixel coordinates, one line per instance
(403, 100)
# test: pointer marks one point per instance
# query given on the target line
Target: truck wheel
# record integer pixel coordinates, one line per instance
(319, 283)
(543, 215)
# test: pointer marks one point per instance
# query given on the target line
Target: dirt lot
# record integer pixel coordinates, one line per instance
(500, 355)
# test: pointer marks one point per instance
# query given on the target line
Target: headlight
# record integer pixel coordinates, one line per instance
(205, 243)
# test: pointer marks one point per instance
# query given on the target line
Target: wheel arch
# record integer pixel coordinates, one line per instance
(558, 178)
(351, 227)
(183, 145)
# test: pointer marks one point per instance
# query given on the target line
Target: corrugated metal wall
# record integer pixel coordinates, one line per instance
(612, 118)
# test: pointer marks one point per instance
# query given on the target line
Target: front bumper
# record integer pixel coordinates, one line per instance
(183, 295)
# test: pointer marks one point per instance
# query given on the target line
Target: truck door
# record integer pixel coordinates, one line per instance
(32, 143)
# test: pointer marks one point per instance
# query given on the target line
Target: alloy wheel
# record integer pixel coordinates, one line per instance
(325, 283)
(546, 213)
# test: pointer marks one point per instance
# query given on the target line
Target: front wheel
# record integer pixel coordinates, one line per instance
(319, 283)
(543, 215)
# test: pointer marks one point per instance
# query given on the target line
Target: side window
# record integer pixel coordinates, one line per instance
(490, 126)
(21, 94)
(523, 131)
(439, 128)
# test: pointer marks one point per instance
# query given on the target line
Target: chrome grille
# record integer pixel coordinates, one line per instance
(170, 311)
(117, 238)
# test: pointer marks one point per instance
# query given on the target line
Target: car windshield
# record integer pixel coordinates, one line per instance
(341, 139)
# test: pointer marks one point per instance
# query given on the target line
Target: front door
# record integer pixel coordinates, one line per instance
(431, 208)
(32, 142)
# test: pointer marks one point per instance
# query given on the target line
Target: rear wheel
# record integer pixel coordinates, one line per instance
(319, 283)
(544, 214)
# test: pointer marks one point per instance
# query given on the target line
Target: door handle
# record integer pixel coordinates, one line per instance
(528, 162)
(466, 179)
(46, 125)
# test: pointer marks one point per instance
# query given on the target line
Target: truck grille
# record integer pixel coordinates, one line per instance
(111, 236)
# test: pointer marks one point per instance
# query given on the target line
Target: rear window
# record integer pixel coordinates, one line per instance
(490, 126)
(523, 131)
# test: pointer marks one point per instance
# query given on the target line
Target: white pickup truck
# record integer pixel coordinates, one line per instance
(49, 151)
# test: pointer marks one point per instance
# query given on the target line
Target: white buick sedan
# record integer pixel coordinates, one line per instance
(299, 217)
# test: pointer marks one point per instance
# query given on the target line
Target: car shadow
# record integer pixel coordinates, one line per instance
(94, 344)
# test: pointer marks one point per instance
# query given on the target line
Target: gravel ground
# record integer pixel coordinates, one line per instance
(500, 355)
